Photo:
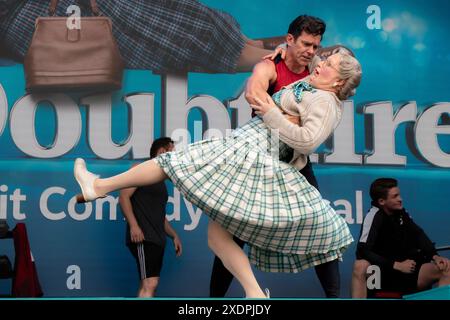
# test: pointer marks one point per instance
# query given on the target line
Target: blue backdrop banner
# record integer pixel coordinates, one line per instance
(397, 125)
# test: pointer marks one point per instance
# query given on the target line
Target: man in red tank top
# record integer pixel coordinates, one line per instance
(303, 40)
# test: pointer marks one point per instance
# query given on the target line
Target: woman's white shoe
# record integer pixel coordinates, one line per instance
(85, 180)
(267, 292)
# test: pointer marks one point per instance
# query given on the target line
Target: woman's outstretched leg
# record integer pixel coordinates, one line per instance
(148, 172)
(234, 259)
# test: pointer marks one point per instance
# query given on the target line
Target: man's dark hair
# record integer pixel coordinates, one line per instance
(163, 142)
(309, 24)
(379, 189)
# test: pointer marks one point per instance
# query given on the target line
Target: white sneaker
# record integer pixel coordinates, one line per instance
(85, 180)
(267, 292)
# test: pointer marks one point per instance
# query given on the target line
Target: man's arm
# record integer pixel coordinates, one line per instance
(426, 246)
(263, 75)
(173, 234)
(369, 235)
(442, 263)
(370, 231)
(136, 233)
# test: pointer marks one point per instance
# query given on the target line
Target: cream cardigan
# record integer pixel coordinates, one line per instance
(320, 112)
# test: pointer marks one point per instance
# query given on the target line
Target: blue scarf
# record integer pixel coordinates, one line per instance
(297, 90)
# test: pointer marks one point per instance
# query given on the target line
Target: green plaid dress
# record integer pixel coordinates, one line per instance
(239, 182)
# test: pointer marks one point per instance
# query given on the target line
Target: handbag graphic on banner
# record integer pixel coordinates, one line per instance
(64, 56)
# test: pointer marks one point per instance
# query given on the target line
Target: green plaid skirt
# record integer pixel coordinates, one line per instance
(239, 182)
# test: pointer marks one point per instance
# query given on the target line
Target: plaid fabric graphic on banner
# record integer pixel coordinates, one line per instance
(158, 35)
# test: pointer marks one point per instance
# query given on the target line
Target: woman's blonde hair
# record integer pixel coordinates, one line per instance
(350, 71)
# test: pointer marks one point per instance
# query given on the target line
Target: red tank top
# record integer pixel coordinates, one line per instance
(285, 76)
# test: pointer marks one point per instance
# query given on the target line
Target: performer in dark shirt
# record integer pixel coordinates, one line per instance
(400, 248)
(147, 227)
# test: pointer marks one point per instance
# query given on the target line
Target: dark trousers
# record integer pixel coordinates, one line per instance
(328, 273)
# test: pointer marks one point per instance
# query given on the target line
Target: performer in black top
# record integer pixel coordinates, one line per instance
(145, 211)
(400, 248)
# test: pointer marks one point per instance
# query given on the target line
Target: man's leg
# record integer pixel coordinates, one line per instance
(234, 259)
(329, 277)
(328, 273)
(149, 258)
(148, 287)
(429, 274)
(359, 279)
(220, 277)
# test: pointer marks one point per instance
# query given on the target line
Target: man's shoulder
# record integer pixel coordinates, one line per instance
(374, 213)
(266, 64)
(406, 215)
(265, 69)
